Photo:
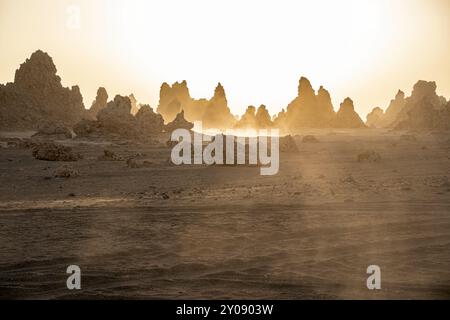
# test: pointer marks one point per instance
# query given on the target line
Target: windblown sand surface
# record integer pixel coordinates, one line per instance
(163, 231)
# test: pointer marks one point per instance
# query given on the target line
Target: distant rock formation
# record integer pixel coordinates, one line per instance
(325, 111)
(171, 99)
(179, 123)
(423, 110)
(214, 113)
(375, 118)
(134, 106)
(37, 94)
(346, 117)
(309, 110)
(302, 111)
(100, 102)
(255, 119)
(217, 114)
(115, 120)
(148, 121)
(248, 119)
(394, 108)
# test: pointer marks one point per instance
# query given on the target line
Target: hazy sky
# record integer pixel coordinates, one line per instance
(365, 49)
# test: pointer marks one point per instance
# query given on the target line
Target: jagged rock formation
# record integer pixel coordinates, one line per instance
(346, 117)
(313, 111)
(302, 111)
(171, 99)
(116, 118)
(100, 102)
(280, 122)
(213, 113)
(113, 121)
(325, 112)
(394, 108)
(179, 123)
(134, 106)
(423, 110)
(37, 94)
(375, 118)
(217, 114)
(248, 119)
(263, 118)
(148, 121)
(255, 119)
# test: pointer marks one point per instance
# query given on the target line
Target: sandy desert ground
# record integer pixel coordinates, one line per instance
(165, 231)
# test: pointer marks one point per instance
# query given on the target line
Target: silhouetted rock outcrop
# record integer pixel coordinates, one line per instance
(375, 118)
(424, 109)
(394, 108)
(346, 117)
(308, 110)
(213, 113)
(217, 114)
(134, 106)
(302, 111)
(325, 111)
(179, 123)
(100, 102)
(148, 121)
(255, 119)
(113, 121)
(37, 94)
(248, 119)
(172, 99)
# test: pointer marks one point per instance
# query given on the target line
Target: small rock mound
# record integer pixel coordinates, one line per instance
(369, 156)
(135, 164)
(52, 130)
(109, 155)
(54, 152)
(287, 144)
(65, 171)
(408, 137)
(310, 139)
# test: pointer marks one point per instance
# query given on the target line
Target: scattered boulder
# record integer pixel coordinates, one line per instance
(54, 152)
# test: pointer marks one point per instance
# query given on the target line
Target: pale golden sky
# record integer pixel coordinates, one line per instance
(365, 49)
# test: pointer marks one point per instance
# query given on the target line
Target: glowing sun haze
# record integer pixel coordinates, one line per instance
(365, 49)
